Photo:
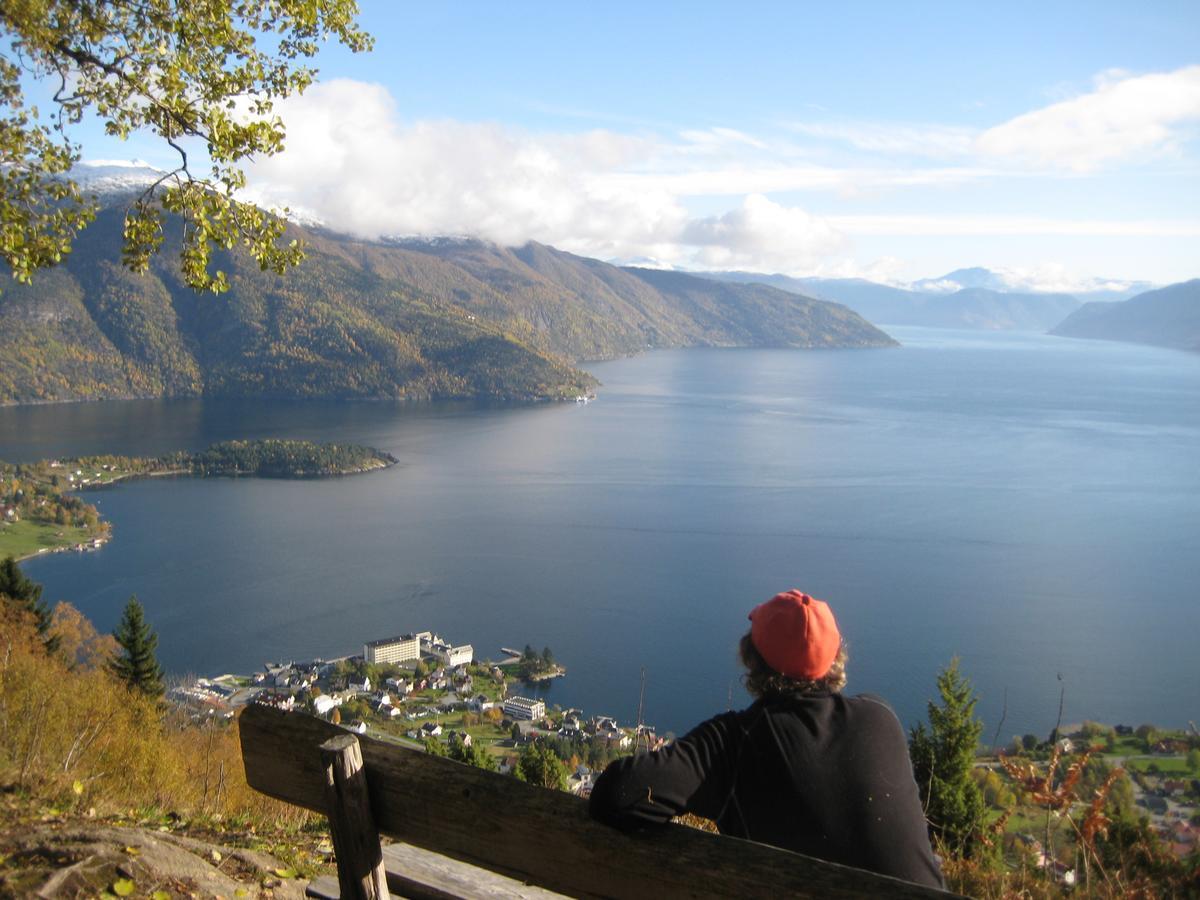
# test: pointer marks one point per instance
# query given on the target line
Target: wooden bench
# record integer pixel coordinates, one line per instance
(447, 814)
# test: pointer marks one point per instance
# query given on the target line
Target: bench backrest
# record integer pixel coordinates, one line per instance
(540, 836)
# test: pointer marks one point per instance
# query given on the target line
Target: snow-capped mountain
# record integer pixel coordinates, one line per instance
(1039, 281)
(115, 177)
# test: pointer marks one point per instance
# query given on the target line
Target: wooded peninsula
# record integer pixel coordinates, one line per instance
(40, 513)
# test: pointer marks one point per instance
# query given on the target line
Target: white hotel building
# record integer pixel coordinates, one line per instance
(399, 649)
(524, 708)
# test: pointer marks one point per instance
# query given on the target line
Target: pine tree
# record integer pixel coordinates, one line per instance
(136, 664)
(26, 594)
(943, 756)
(538, 765)
(473, 755)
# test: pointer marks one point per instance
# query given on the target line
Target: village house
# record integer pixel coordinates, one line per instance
(280, 701)
(399, 685)
(527, 732)
(600, 724)
(647, 739)
(432, 645)
(431, 729)
(581, 781)
(614, 738)
(1170, 747)
(325, 704)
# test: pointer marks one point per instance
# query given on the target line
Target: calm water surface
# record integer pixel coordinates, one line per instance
(1031, 504)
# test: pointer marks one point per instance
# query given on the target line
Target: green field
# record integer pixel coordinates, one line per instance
(1166, 765)
(26, 538)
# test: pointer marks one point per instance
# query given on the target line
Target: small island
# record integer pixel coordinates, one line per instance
(40, 513)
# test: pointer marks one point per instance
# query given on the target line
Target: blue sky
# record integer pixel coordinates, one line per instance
(893, 141)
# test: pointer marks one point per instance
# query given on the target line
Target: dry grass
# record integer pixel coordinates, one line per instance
(78, 740)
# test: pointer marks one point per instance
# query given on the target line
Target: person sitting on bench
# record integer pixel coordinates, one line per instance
(804, 767)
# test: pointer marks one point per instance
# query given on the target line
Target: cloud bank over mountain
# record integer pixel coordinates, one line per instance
(803, 199)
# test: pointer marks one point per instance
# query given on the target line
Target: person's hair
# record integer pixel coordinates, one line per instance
(760, 679)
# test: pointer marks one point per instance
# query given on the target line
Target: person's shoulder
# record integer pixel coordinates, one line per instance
(874, 707)
(721, 724)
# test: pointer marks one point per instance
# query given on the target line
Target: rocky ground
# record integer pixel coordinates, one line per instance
(52, 856)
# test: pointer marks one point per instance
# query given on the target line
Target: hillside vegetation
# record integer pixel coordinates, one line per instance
(1167, 317)
(444, 319)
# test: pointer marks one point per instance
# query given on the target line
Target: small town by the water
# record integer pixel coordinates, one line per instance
(423, 691)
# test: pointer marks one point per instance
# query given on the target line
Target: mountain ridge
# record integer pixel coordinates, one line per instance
(1166, 317)
(402, 319)
(968, 307)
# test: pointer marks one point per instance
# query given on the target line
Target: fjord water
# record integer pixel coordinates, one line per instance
(1029, 503)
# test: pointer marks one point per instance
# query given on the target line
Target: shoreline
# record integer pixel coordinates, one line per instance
(49, 472)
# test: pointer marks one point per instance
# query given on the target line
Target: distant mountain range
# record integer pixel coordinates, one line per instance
(1167, 317)
(417, 319)
(969, 306)
(979, 298)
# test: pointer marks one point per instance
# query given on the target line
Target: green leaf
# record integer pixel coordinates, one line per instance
(286, 873)
(123, 887)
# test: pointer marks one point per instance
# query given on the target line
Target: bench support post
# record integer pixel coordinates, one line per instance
(361, 874)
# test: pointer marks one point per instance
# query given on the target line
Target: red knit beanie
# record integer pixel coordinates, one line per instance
(796, 634)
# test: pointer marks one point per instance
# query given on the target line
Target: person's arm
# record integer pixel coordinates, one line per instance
(693, 774)
(897, 832)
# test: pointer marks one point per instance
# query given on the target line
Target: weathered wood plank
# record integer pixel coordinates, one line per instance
(535, 835)
(347, 804)
(424, 875)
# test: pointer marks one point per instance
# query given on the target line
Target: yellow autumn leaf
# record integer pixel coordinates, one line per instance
(77, 787)
(122, 887)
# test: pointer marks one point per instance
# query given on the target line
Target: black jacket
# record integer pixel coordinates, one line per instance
(822, 774)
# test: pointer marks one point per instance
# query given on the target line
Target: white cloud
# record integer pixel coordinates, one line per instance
(891, 138)
(721, 138)
(1124, 117)
(737, 179)
(1058, 279)
(351, 162)
(763, 233)
(995, 226)
(354, 163)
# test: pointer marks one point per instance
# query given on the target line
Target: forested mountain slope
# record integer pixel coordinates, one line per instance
(446, 318)
(1167, 317)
